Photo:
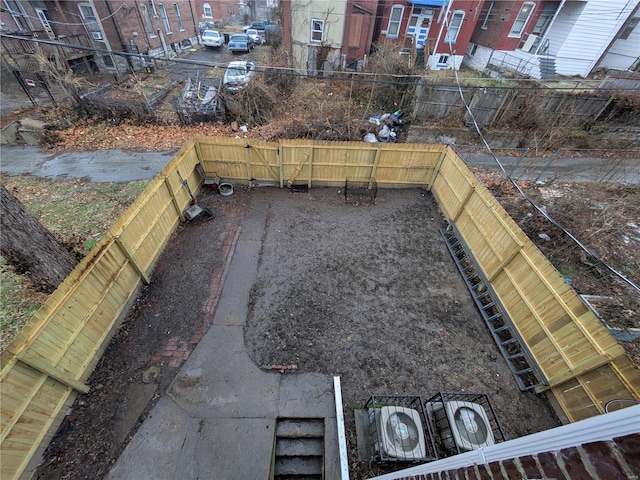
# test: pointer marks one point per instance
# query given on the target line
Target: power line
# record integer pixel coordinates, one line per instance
(541, 210)
(359, 77)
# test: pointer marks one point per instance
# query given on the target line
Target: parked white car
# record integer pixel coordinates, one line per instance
(212, 38)
(254, 35)
(238, 75)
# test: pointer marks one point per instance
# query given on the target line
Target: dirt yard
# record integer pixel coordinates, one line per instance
(366, 292)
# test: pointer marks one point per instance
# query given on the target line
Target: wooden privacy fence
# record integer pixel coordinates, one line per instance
(583, 364)
(46, 366)
(494, 107)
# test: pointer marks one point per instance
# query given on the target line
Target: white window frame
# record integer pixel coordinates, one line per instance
(545, 17)
(207, 11)
(154, 10)
(317, 30)
(454, 27)
(393, 27)
(87, 12)
(146, 18)
(485, 24)
(628, 30)
(19, 16)
(165, 18)
(176, 7)
(520, 23)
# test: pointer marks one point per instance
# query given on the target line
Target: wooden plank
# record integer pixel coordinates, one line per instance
(43, 365)
(132, 259)
(299, 167)
(374, 168)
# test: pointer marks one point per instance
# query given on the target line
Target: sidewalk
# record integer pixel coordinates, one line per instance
(218, 418)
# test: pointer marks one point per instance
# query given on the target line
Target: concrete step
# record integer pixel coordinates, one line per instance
(300, 428)
(301, 447)
(299, 452)
(298, 466)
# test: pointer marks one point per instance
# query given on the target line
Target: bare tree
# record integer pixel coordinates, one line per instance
(30, 247)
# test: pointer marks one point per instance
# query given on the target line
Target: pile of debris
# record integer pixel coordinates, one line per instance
(390, 124)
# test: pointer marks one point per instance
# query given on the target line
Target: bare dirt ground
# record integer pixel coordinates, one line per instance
(366, 292)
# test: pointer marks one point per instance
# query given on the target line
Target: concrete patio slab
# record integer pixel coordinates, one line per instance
(218, 417)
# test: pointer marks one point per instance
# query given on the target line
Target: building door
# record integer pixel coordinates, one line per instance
(419, 25)
(42, 15)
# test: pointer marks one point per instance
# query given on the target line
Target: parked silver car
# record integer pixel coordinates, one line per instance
(238, 75)
(254, 35)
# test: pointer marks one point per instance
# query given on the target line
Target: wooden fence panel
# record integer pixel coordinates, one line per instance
(46, 364)
(565, 338)
(436, 103)
(588, 394)
(31, 401)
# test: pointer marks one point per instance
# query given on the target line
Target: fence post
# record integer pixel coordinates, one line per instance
(173, 199)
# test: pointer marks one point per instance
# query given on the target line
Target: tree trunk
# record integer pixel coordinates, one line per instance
(30, 247)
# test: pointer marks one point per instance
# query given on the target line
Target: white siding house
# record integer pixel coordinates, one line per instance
(579, 35)
(589, 28)
(624, 53)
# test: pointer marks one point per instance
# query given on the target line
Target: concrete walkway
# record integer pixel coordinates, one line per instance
(218, 418)
(97, 166)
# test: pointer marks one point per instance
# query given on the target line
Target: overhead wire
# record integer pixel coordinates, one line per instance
(524, 194)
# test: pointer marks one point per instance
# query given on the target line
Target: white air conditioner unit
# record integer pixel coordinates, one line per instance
(461, 424)
(96, 35)
(400, 433)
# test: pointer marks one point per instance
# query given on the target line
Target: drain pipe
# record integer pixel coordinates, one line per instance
(546, 32)
(342, 438)
(444, 22)
(119, 34)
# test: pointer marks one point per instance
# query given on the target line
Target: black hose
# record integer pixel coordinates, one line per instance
(618, 400)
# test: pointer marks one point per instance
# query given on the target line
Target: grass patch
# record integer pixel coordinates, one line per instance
(78, 213)
(18, 302)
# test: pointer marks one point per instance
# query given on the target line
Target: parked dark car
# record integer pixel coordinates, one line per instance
(240, 42)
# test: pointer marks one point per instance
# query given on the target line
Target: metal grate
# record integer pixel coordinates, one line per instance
(463, 422)
(520, 361)
(364, 192)
(399, 430)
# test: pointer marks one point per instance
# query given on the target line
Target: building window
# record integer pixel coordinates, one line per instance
(454, 26)
(629, 28)
(19, 15)
(179, 17)
(485, 24)
(154, 11)
(147, 20)
(443, 59)
(208, 13)
(165, 18)
(394, 21)
(521, 20)
(545, 18)
(317, 30)
(87, 13)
